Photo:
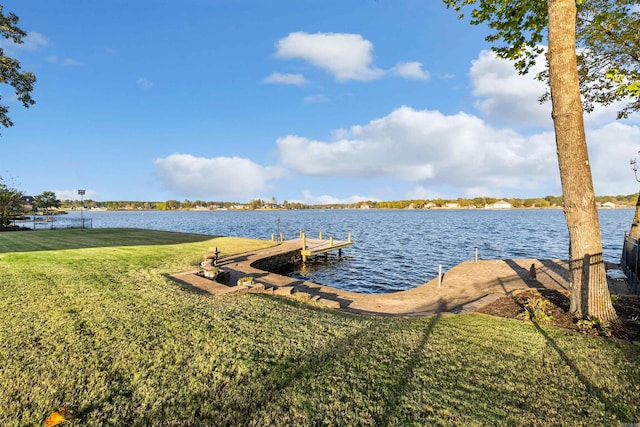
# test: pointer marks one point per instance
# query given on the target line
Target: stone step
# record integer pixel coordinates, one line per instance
(329, 303)
(283, 290)
(257, 288)
(239, 289)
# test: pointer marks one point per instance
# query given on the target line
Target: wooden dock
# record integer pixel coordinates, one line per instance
(311, 247)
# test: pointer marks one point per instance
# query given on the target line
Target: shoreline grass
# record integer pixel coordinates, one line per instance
(101, 331)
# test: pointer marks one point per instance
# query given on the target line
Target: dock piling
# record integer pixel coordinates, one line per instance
(439, 275)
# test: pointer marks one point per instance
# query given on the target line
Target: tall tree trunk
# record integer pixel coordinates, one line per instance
(589, 291)
(635, 225)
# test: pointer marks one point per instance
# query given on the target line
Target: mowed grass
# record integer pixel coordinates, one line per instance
(101, 331)
(91, 238)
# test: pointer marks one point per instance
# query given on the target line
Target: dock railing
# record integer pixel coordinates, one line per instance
(630, 263)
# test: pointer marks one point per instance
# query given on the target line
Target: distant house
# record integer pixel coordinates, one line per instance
(365, 206)
(28, 203)
(430, 205)
(609, 205)
(502, 204)
(451, 205)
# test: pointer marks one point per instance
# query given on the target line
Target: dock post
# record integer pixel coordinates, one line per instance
(439, 275)
(476, 254)
(281, 237)
(340, 253)
(304, 245)
(273, 237)
(321, 235)
(349, 239)
(330, 241)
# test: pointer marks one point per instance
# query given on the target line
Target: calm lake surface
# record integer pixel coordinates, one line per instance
(393, 249)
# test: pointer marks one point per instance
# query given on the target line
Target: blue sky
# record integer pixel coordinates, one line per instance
(311, 101)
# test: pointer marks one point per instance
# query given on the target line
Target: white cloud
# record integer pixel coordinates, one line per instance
(345, 56)
(316, 99)
(422, 192)
(459, 151)
(71, 62)
(67, 62)
(610, 149)
(506, 96)
(309, 199)
(201, 177)
(73, 194)
(32, 42)
(144, 83)
(466, 155)
(411, 70)
(286, 79)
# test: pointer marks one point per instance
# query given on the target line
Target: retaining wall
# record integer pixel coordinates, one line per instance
(280, 263)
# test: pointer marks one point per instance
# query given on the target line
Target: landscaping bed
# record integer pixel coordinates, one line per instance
(551, 307)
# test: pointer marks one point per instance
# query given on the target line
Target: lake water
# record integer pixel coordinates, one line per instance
(393, 249)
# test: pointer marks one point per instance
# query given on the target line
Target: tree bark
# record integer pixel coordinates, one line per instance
(589, 291)
(635, 225)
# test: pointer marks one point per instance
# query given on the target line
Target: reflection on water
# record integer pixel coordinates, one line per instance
(392, 250)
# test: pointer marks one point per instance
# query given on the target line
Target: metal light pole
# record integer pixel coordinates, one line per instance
(81, 193)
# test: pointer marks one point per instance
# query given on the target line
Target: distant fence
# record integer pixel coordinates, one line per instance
(55, 222)
(630, 263)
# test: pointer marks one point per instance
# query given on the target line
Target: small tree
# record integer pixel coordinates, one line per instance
(10, 205)
(47, 200)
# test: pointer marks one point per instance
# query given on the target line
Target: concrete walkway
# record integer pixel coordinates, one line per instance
(466, 287)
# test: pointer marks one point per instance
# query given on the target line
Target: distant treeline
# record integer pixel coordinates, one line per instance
(477, 202)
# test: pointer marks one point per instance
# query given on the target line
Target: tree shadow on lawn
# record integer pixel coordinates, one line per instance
(49, 240)
(316, 366)
(562, 301)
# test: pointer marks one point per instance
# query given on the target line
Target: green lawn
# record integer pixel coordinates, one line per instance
(96, 327)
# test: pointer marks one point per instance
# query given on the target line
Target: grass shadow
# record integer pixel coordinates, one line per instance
(393, 404)
(49, 240)
(591, 388)
(609, 405)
